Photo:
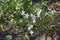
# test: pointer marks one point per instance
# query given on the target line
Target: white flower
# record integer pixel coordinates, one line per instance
(34, 19)
(46, 13)
(30, 27)
(38, 12)
(53, 11)
(23, 12)
(31, 32)
(26, 15)
(49, 9)
(31, 15)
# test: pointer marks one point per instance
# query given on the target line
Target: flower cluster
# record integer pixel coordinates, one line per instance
(51, 11)
(31, 15)
(29, 29)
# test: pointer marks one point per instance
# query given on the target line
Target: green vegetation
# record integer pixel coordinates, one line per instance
(24, 16)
